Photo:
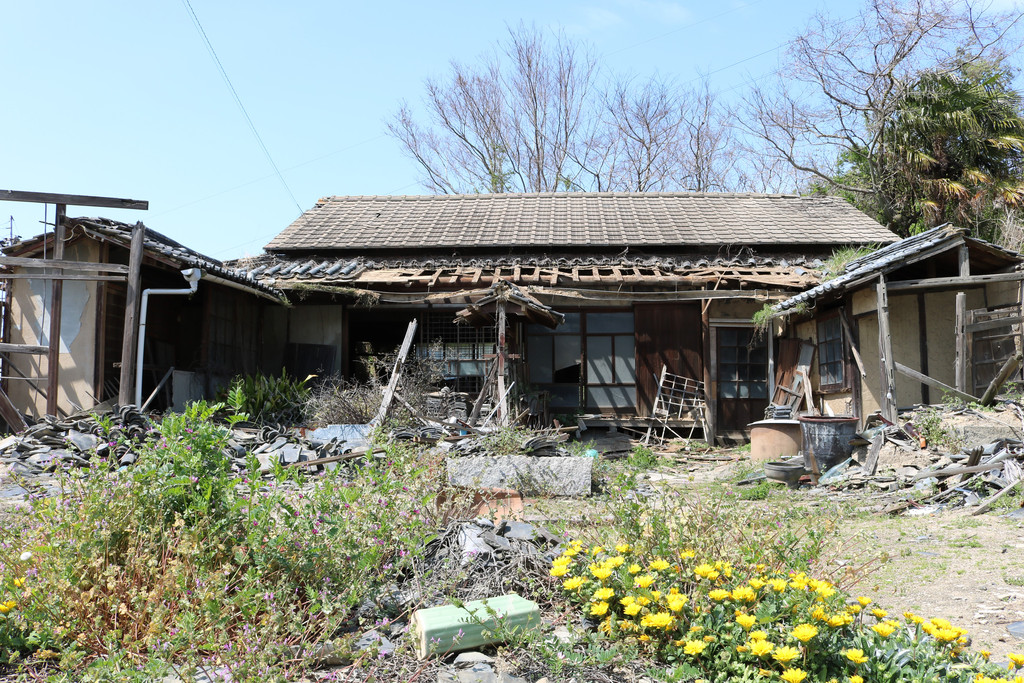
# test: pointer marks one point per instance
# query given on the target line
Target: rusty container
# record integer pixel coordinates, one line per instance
(774, 439)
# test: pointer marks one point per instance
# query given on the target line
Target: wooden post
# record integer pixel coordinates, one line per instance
(885, 357)
(960, 363)
(56, 304)
(396, 374)
(964, 257)
(131, 316)
(502, 401)
(710, 393)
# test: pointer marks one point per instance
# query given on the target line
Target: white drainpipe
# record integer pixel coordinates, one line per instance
(192, 276)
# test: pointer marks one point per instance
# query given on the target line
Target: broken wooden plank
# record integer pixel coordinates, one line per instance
(991, 500)
(932, 382)
(72, 199)
(11, 415)
(993, 324)
(396, 374)
(1009, 367)
(871, 463)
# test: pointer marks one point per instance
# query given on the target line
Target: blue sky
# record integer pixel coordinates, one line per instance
(122, 99)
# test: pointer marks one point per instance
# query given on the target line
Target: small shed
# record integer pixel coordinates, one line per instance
(933, 314)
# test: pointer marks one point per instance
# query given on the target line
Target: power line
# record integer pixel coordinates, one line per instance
(238, 100)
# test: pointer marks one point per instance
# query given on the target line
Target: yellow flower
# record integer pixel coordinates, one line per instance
(985, 654)
(601, 573)
(758, 635)
(759, 648)
(659, 565)
(643, 601)
(746, 620)
(744, 593)
(596, 550)
(885, 630)
(632, 609)
(635, 569)
(694, 647)
(756, 583)
(18, 583)
(614, 561)
(713, 574)
(559, 570)
(879, 613)
(6, 607)
(703, 570)
(864, 602)
(1015, 659)
(785, 654)
(947, 635)
(603, 593)
(599, 609)
(656, 595)
(856, 656)
(838, 620)
(805, 632)
(818, 614)
(627, 600)
(718, 595)
(623, 548)
(643, 581)
(938, 622)
(660, 620)
(825, 591)
(573, 583)
(709, 639)
(687, 554)
(677, 602)
(794, 675)
(778, 585)
(854, 609)
(856, 679)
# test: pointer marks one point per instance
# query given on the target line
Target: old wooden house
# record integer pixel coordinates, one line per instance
(643, 283)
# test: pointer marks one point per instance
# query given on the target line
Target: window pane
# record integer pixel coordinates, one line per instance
(567, 359)
(599, 360)
(538, 352)
(598, 323)
(611, 397)
(564, 396)
(727, 390)
(625, 359)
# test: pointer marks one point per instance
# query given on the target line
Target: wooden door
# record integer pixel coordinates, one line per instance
(741, 378)
(666, 334)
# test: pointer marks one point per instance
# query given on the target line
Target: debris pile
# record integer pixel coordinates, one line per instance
(115, 436)
(538, 444)
(926, 477)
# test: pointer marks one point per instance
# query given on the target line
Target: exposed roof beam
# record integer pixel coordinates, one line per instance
(73, 199)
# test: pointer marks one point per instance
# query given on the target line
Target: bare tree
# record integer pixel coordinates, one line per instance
(507, 126)
(845, 79)
(533, 117)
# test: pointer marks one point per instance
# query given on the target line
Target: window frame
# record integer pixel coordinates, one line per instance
(843, 362)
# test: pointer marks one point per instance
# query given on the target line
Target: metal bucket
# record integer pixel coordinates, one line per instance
(827, 440)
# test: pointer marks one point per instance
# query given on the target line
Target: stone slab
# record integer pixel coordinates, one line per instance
(556, 476)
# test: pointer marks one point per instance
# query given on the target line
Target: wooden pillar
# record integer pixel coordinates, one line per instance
(885, 356)
(964, 258)
(961, 342)
(503, 418)
(56, 304)
(709, 393)
(131, 316)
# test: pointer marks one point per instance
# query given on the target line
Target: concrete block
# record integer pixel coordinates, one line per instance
(557, 476)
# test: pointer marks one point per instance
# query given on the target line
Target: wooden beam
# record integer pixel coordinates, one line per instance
(26, 262)
(853, 347)
(131, 314)
(1009, 367)
(11, 415)
(61, 276)
(953, 282)
(925, 379)
(23, 348)
(960, 363)
(502, 400)
(922, 345)
(56, 306)
(73, 199)
(993, 324)
(885, 359)
(396, 374)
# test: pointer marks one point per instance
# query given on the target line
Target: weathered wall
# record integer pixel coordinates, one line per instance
(316, 325)
(30, 324)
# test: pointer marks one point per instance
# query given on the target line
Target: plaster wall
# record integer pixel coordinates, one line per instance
(30, 324)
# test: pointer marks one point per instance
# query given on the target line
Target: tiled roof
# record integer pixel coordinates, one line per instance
(594, 220)
(158, 243)
(891, 257)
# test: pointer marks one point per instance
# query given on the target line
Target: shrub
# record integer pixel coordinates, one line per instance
(178, 560)
(642, 457)
(269, 399)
